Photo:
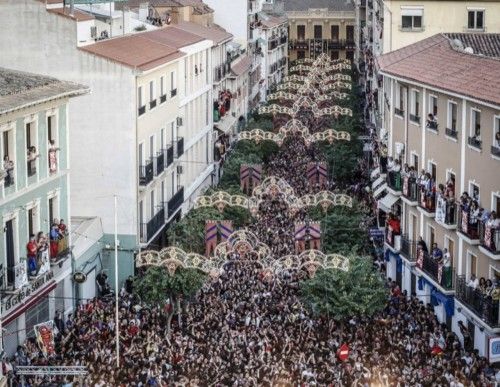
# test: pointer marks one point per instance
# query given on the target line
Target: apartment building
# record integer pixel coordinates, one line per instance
(275, 65)
(385, 26)
(253, 28)
(34, 198)
(148, 120)
(321, 26)
(442, 109)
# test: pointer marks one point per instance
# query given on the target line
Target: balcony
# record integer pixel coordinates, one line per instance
(467, 228)
(489, 238)
(446, 212)
(298, 44)
(169, 152)
(173, 93)
(141, 110)
(410, 189)
(152, 104)
(394, 182)
(414, 118)
(31, 165)
(482, 305)
(432, 125)
(426, 201)
(393, 235)
(146, 173)
(180, 147)
(399, 112)
(163, 98)
(408, 249)
(160, 162)
(176, 201)
(475, 142)
(441, 275)
(451, 133)
(495, 151)
(149, 229)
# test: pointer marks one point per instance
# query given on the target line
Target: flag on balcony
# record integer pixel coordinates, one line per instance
(210, 236)
(465, 222)
(488, 238)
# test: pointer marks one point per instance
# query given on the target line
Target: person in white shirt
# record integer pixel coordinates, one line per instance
(473, 282)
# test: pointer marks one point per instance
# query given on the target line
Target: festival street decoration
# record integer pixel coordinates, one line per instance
(240, 246)
(294, 127)
(316, 95)
(44, 334)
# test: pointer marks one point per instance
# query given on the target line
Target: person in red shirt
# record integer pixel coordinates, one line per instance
(31, 251)
(394, 224)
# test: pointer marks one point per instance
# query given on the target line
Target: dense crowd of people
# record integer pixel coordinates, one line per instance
(247, 329)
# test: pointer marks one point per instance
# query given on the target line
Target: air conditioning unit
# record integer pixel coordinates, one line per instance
(179, 121)
(180, 169)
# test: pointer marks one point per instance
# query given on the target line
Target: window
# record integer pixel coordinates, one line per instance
(162, 192)
(335, 33)
(152, 203)
(152, 95)
(415, 161)
(162, 85)
(301, 32)
(431, 236)
(432, 170)
(318, 32)
(471, 264)
(349, 31)
(415, 106)
(173, 86)
(474, 192)
(496, 132)
(452, 116)
(475, 124)
(51, 128)
(449, 244)
(475, 20)
(141, 103)
(151, 146)
(411, 18)
(399, 110)
(433, 105)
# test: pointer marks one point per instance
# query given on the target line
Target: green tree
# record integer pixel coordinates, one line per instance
(337, 294)
(156, 287)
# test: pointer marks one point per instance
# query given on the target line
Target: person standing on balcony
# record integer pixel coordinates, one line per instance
(31, 252)
(52, 156)
(8, 167)
(422, 245)
(441, 205)
(437, 253)
(446, 268)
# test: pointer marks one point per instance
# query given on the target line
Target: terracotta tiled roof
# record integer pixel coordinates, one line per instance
(136, 51)
(269, 21)
(241, 66)
(215, 33)
(482, 44)
(173, 36)
(77, 14)
(434, 62)
(19, 89)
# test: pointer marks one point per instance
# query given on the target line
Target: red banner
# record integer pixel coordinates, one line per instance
(45, 337)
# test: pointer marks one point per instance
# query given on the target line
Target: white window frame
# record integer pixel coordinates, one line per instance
(143, 158)
(470, 190)
(430, 163)
(141, 100)
(162, 85)
(472, 127)
(494, 195)
(172, 81)
(428, 235)
(431, 105)
(468, 259)
(54, 113)
(476, 10)
(399, 99)
(152, 90)
(496, 128)
(449, 115)
(412, 11)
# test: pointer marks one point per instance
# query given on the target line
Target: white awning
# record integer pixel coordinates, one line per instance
(387, 202)
(377, 182)
(379, 190)
(374, 173)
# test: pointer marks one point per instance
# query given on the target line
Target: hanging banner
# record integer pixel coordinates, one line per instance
(322, 174)
(494, 349)
(210, 236)
(44, 262)
(20, 275)
(225, 229)
(317, 173)
(315, 233)
(250, 177)
(44, 333)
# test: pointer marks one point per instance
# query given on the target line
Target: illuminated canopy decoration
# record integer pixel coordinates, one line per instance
(249, 248)
(316, 94)
(294, 127)
(294, 111)
(318, 76)
(273, 186)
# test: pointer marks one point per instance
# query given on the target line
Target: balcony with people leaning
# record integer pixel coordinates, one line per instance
(446, 206)
(481, 296)
(489, 234)
(409, 185)
(393, 232)
(426, 193)
(394, 176)
(436, 264)
(470, 215)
